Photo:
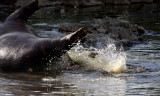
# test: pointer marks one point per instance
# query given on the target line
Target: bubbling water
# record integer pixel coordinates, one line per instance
(107, 58)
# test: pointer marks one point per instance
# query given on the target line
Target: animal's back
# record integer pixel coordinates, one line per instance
(13, 50)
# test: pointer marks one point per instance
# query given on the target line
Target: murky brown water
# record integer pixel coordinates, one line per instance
(143, 80)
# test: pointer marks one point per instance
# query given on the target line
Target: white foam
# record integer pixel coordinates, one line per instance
(106, 59)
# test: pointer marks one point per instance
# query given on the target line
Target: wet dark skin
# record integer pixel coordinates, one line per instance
(21, 50)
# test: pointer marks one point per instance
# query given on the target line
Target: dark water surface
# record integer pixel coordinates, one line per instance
(143, 80)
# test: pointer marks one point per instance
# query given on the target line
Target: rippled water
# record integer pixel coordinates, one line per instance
(143, 60)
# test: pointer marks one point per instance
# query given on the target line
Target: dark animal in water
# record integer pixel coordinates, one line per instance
(21, 50)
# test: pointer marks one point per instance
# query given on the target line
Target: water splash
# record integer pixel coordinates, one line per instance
(107, 58)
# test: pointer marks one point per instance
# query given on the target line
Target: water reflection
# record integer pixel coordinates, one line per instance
(92, 84)
(67, 85)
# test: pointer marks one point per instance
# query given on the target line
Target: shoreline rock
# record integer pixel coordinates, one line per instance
(102, 29)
